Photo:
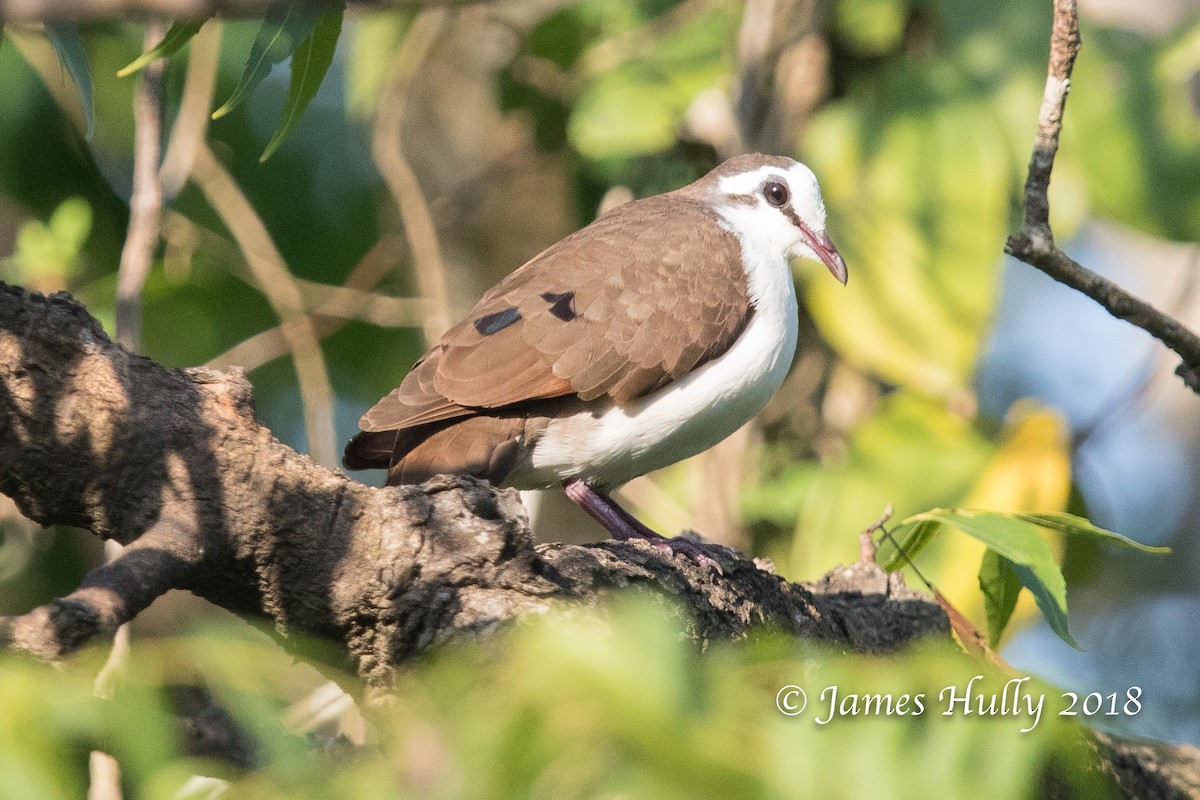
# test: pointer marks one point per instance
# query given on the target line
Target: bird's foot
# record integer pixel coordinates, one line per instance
(624, 527)
(700, 552)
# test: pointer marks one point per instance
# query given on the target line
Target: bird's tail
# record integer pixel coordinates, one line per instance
(482, 446)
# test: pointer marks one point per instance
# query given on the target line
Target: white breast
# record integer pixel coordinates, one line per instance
(609, 448)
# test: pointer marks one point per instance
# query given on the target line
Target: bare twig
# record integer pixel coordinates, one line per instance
(331, 306)
(268, 345)
(191, 123)
(104, 777)
(783, 62)
(137, 256)
(279, 288)
(866, 539)
(38, 10)
(387, 146)
(145, 203)
(1034, 242)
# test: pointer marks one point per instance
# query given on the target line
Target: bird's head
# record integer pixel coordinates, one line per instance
(775, 203)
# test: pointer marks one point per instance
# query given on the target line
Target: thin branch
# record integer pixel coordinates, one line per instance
(783, 72)
(104, 776)
(331, 306)
(279, 288)
(137, 256)
(145, 202)
(191, 123)
(345, 302)
(1034, 242)
(269, 345)
(40, 10)
(387, 146)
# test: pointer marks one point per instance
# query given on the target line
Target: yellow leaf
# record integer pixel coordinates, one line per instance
(1031, 473)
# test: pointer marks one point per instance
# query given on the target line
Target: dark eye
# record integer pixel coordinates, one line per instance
(776, 194)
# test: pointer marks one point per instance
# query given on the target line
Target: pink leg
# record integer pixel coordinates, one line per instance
(623, 526)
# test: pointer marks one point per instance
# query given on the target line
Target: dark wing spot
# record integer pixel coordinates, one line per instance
(562, 305)
(494, 323)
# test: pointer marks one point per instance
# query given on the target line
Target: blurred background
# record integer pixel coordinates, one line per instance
(446, 147)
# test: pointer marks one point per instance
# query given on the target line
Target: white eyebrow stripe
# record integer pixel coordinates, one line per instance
(748, 182)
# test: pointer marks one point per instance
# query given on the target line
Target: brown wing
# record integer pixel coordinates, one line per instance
(635, 300)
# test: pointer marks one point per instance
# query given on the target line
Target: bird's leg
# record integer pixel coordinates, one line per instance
(617, 521)
(623, 526)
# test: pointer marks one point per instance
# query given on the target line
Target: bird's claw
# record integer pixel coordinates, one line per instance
(701, 553)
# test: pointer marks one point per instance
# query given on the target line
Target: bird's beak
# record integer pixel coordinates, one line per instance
(822, 245)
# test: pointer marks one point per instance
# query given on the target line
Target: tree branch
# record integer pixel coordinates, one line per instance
(387, 148)
(1034, 242)
(42, 10)
(277, 284)
(172, 464)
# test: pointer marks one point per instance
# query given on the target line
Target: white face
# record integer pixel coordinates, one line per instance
(781, 210)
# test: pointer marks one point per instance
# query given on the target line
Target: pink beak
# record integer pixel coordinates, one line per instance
(823, 246)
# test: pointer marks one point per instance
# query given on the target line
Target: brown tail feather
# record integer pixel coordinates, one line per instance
(371, 450)
(484, 447)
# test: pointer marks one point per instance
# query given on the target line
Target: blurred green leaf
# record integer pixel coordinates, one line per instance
(373, 42)
(310, 62)
(285, 25)
(64, 36)
(622, 115)
(871, 27)
(637, 86)
(613, 701)
(48, 255)
(917, 189)
(912, 452)
(1001, 586)
(179, 34)
(902, 544)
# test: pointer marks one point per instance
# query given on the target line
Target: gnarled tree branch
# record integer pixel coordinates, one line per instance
(1034, 242)
(172, 464)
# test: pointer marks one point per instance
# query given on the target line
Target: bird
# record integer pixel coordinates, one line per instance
(640, 340)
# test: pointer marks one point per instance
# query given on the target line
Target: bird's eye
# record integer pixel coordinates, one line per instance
(776, 194)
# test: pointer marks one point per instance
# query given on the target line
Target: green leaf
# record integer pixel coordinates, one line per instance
(1021, 543)
(310, 62)
(904, 542)
(916, 185)
(871, 27)
(64, 36)
(284, 27)
(625, 114)
(1050, 591)
(1001, 586)
(912, 451)
(1069, 523)
(179, 34)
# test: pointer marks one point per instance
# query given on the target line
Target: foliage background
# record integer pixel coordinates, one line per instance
(950, 377)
